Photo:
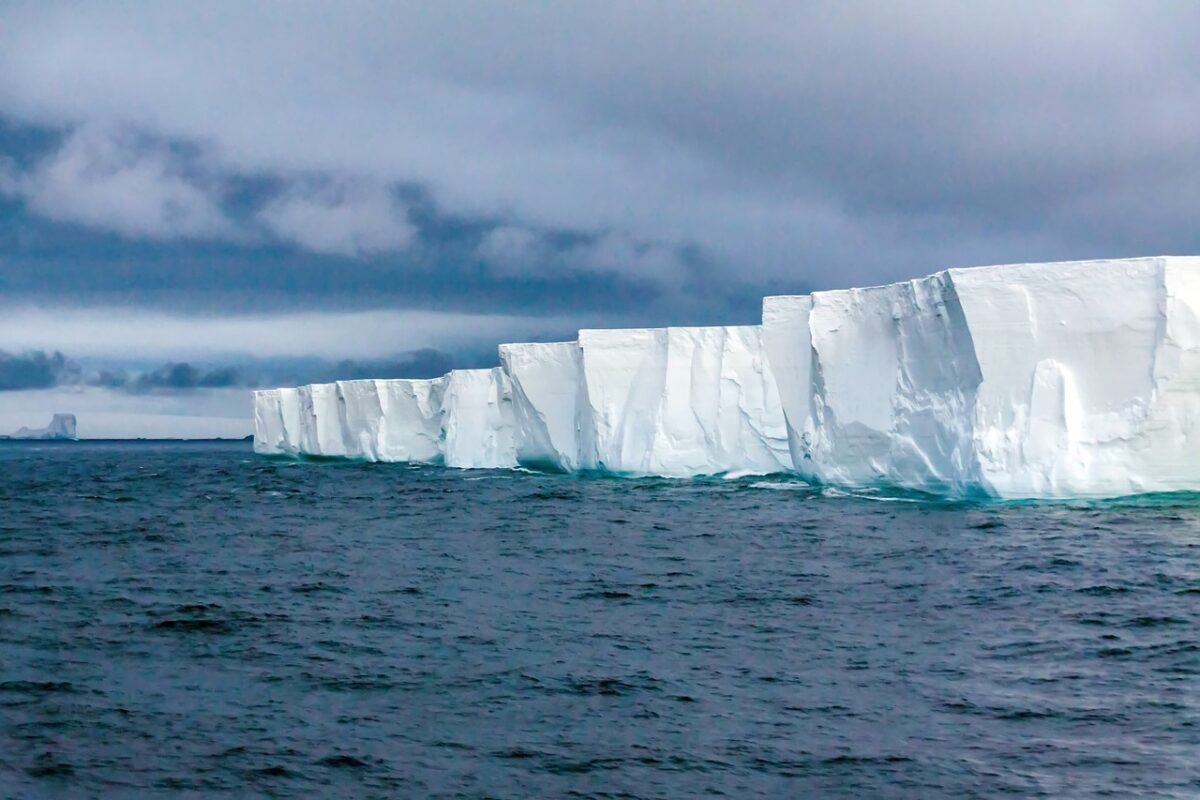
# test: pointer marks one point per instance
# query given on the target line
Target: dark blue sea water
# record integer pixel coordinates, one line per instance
(187, 620)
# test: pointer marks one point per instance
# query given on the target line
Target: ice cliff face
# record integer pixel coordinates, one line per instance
(1034, 380)
(667, 401)
(681, 401)
(477, 419)
(549, 400)
(378, 420)
(877, 384)
(1059, 380)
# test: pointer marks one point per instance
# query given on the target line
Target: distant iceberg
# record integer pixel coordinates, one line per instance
(1074, 379)
(62, 427)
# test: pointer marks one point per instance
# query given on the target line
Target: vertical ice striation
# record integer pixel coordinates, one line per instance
(392, 420)
(321, 412)
(787, 344)
(376, 420)
(1089, 375)
(410, 428)
(682, 401)
(477, 420)
(277, 422)
(1032, 380)
(894, 382)
(270, 439)
(877, 384)
(549, 398)
(1027, 380)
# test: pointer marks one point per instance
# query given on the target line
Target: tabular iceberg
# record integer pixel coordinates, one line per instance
(1033, 380)
(1063, 380)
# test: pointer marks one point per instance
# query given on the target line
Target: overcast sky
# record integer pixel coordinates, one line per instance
(279, 188)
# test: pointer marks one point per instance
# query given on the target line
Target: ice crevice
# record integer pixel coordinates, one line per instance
(1073, 379)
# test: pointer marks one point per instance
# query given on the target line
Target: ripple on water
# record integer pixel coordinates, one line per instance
(190, 620)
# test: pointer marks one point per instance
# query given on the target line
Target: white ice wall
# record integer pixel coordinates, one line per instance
(787, 344)
(270, 438)
(377, 420)
(894, 381)
(1089, 375)
(552, 426)
(411, 425)
(392, 420)
(1028, 380)
(477, 419)
(682, 401)
(1038, 380)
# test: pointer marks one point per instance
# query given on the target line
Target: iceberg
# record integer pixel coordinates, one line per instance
(270, 433)
(389, 420)
(62, 427)
(877, 384)
(1078, 379)
(1075, 379)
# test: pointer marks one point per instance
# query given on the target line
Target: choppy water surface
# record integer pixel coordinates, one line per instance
(188, 620)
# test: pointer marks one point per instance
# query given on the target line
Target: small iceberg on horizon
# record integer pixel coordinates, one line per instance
(62, 427)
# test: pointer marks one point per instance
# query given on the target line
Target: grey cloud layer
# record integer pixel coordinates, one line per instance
(35, 370)
(41, 370)
(831, 143)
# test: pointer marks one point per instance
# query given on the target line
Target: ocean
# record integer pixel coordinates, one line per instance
(189, 620)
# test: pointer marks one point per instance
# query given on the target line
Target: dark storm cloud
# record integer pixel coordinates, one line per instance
(35, 370)
(182, 376)
(675, 159)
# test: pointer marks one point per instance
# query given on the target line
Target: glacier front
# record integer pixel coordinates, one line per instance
(1075, 379)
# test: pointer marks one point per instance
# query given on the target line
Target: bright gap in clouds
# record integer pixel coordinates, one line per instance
(122, 334)
(115, 333)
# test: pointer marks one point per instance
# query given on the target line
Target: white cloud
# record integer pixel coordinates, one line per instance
(836, 142)
(514, 250)
(618, 254)
(349, 218)
(108, 179)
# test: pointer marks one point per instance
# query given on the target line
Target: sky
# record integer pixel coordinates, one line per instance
(196, 199)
